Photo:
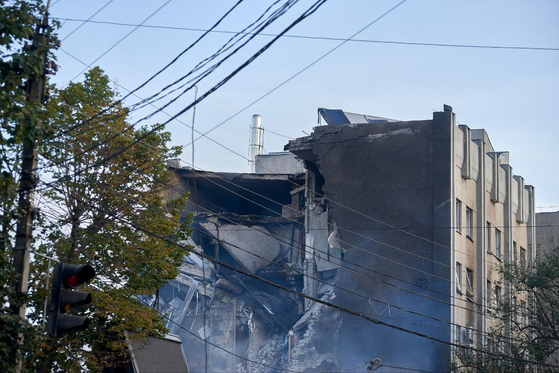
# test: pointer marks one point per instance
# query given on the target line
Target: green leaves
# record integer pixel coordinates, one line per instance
(524, 333)
(91, 216)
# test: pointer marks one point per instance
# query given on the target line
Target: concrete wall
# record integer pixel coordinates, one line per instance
(279, 163)
(500, 205)
(392, 189)
(378, 177)
(547, 231)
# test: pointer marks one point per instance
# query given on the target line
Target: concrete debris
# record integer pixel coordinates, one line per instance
(291, 241)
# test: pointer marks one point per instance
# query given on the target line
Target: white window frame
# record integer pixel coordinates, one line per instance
(458, 334)
(469, 283)
(469, 221)
(498, 238)
(468, 336)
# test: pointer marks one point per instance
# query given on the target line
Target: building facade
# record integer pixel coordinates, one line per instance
(433, 205)
(397, 228)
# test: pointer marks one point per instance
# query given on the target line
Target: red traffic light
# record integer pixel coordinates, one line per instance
(75, 275)
(66, 278)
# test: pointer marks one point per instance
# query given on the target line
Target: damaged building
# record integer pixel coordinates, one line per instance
(397, 221)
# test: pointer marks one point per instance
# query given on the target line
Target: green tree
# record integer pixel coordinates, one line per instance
(90, 214)
(523, 331)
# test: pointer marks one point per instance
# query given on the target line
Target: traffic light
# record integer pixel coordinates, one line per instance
(66, 278)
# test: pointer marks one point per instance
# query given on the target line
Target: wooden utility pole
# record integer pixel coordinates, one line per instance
(28, 179)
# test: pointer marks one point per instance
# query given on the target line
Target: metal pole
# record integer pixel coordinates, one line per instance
(193, 120)
(46, 294)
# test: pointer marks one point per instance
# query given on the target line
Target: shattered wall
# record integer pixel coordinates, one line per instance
(381, 180)
(254, 223)
(362, 219)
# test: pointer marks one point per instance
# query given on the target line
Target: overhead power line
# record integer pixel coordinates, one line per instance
(111, 277)
(344, 289)
(119, 41)
(311, 37)
(260, 25)
(132, 92)
(311, 10)
(83, 22)
(297, 293)
(392, 228)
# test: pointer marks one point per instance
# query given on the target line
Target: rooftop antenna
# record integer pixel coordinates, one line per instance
(255, 141)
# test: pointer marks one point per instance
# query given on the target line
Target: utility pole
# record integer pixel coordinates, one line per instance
(28, 180)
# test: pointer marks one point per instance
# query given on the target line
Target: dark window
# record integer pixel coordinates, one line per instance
(497, 296)
(458, 276)
(522, 257)
(488, 295)
(488, 237)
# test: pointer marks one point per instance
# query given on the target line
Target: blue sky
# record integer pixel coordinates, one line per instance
(513, 94)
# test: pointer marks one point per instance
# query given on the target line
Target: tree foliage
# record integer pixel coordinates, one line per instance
(91, 214)
(522, 339)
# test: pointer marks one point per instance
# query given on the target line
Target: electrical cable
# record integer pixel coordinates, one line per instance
(302, 70)
(259, 25)
(175, 59)
(317, 300)
(178, 56)
(310, 37)
(306, 14)
(347, 290)
(86, 20)
(118, 42)
(161, 314)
